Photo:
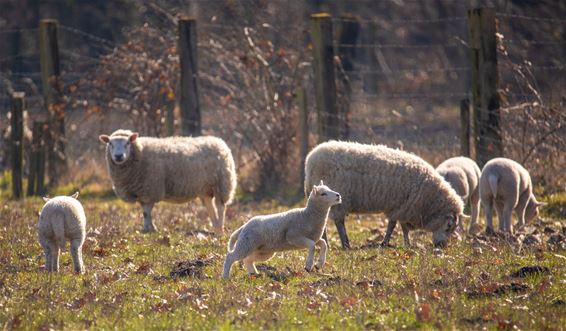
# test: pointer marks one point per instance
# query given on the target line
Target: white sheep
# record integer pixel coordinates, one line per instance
(507, 185)
(262, 236)
(62, 218)
(463, 174)
(175, 169)
(375, 178)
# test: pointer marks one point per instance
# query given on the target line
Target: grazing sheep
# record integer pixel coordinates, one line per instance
(507, 184)
(262, 236)
(463, 174)
(62, 218)
(175, 169)
(375, 178)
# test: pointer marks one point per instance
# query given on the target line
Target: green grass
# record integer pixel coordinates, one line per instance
(128, 286)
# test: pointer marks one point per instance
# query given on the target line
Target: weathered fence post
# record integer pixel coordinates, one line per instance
(53, 94)
(190, 108)
(303, 130)
(324, 76)
(348, 32)
(36, 174)
(465, 127)
(485, 98)
(17, 101)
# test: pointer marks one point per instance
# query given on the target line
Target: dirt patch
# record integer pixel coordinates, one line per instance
(330, 281)
(191, 268)
(493, 290)
(530, 270)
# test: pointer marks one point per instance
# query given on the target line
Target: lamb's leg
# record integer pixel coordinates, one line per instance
(208, 203)
(48, 253)
(488, 207)
(500, 219)
(322, 256)
(240, 252)
(520, 209)
(76, 253)
(304, 242)
(221, 211)
(406, 239)
(339, 221)
(55, 250)
(475, 209)
(148, 225)
(389, 232)
(507, 214)
(250, 266)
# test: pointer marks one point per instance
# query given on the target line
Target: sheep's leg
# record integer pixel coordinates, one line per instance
(76, 253)
(208, 203)
(389, 232)
(304, 242)
(55, 250)
(475, 209)
(249, 264)
(500, 219)
(339, 221)
(488, 207)
(148, 225)
(506, 219)
(48, 253)
(221, 211)
(322, 256)
(406, 239)
(240, 252)
(520, 209)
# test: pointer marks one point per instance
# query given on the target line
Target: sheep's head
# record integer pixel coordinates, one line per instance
(324, 194)
(119, 146)
(531, 212)
(448, 226)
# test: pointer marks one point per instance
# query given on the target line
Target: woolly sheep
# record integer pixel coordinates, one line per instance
(175, 169)
(463, 174)
(62, 218)
(375, 178)
(507, 185)
(262, 236)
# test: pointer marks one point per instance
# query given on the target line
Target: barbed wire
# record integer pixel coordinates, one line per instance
(410, 95)
(410, 21)
(531, 18)
(399, 45)
(404, 71)
(6, 31)
(88, 35)
(534, 42)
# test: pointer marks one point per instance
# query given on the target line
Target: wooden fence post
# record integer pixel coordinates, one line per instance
(36, 174)
(190, 108)
(485, 80)
(18, 104)
(324, 76)
(303, 130)
(53, 94)
(465, 127)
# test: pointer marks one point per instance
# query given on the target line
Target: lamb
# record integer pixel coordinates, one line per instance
(175, 169)
(507, 184)
(463, 174)
(262, 236)
(62, 218)
(375, 178)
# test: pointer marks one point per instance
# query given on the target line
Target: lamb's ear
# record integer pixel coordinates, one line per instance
(464, 216)
(104, 138)
(46, 199)
(321, 182)
(314, 190)
(133, 137)
(75, 195)
(38, 214)
(541, 204)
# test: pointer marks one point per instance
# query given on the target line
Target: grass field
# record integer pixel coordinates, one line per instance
(128, 284)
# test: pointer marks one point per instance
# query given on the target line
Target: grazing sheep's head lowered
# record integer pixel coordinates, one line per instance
(323, 194)
(448, 225)
(532, 210)
(119, 145)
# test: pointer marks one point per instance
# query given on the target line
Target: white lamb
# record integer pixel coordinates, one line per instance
(262, 236)
(175, 169)
(62, 218)
(463, 174)
(507, 184)
(375, 178)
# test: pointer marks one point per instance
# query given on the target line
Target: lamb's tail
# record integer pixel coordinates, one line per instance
(492, 179)
(58, 226)
(233, 239)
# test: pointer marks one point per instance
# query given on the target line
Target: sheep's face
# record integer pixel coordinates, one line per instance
(119, 147)
(324, 193)
(531, 212)
(441, 235)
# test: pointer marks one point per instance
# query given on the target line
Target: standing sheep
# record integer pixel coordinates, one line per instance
(175, 169)
(62, 218)
(375, 178)
(262, 236)
(507, 184)
(463, 174)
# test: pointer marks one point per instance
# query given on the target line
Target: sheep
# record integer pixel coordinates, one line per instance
(262, 236)
(507, 184)
(463, 174)
(62, 218)
(175, 169)
(375, 178)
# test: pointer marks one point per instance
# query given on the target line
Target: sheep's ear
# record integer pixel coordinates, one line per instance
(314, 190)
(541, 204)
(104, 138)
(46, 199)
(321, 182)
(38, 214)
(133, 137)
(464, 216)
(75, 195)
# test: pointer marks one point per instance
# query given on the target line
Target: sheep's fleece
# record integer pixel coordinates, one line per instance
(375, 178)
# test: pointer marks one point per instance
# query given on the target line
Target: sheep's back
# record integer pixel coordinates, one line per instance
(64, 210)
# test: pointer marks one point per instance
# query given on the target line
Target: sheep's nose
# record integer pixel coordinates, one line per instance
(338, 195)
(119, 157)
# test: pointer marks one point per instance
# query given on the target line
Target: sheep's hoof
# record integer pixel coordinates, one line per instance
(149, 230)
(385, 245)
(309, 270)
